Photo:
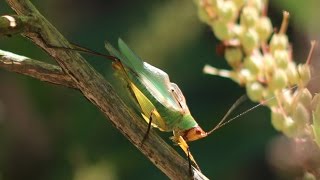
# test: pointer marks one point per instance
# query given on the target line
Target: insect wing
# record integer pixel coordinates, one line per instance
(155, 80)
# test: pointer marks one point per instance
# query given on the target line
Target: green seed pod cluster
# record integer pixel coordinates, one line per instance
(292, 115)
(261, 60)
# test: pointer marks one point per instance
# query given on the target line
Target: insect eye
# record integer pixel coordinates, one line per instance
(198, 132)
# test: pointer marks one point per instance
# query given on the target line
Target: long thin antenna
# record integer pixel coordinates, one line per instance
(223, 122)
(79, 48)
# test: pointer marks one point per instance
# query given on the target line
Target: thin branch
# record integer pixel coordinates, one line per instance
(36, 69)
(13, 24)
(96, 89)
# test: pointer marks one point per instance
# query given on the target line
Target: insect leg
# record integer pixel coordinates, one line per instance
(149, 127)
(189, 161)
(184, 146)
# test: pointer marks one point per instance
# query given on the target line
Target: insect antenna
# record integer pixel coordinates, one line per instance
(82, 49)
(231, 109)
(224, 122)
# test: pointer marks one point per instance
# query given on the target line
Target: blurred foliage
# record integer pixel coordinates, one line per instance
(50, 132)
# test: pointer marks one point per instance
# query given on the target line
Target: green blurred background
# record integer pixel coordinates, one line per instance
(51, 132)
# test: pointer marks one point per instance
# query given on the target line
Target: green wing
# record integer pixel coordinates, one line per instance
(153, 80)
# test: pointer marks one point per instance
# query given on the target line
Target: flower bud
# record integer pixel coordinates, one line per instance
(249, 40)
(292, 73)
(277, 119)
(233, 56)
(253, 64)
(305, 98)
(301, 115)
(290, 127)
(278, 42)
(255, 91)
(246, 76)
(249, 16)
(268, 63)
(269, 98)
(279, 80)
(282, 58)
(304, 73)
(286, 100)
(264, 28)
(227, 11)
(221, 30)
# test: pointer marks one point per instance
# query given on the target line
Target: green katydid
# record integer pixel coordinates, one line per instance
(162, 103)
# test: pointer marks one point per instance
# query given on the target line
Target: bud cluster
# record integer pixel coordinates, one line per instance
(261, 60)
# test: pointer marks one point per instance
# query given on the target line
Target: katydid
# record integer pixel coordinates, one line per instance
(162, 103)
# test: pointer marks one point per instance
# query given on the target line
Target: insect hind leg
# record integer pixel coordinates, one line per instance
(149, 127)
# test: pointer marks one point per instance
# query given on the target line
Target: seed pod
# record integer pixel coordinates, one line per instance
(282, 58)
(268, 63)
(253, 64)
(290, 127)
(279, 80)
(221, 30)
(249, 40)
(270, 99)
(277, 119)
(249, 16)
(246, 76)
(305, 98)
(304, 73)
(227, 11)
(233, 56)
(292, 73)
(278, 42)
(255, 91)
(286, 100)
(264, 28)
(301, 115)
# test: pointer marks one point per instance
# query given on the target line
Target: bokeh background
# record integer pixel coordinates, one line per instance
(51, 132)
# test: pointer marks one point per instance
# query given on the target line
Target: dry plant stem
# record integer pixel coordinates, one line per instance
(13, 24)
(96, 89)
(36, 69)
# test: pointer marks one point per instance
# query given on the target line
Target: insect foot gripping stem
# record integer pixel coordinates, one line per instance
(185, 147)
